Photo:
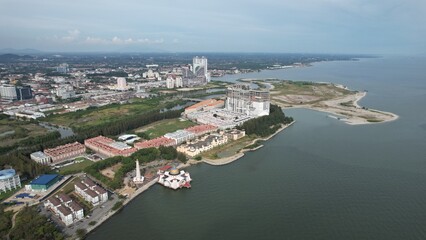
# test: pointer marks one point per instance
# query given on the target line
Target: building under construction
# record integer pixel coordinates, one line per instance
(252, 102)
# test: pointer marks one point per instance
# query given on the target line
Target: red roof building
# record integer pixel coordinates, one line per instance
(156, 142)
(65, 152)
(108, 147)
(201, 129)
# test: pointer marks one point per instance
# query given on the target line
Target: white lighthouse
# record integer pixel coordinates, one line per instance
(138, 179)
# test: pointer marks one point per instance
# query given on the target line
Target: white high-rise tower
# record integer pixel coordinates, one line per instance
(199, 67)
(138, 178)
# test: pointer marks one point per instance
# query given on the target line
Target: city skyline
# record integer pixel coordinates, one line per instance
(325, 26)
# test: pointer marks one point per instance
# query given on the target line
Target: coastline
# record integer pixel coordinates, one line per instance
(351, 115)
(228, 160)
(140, 190)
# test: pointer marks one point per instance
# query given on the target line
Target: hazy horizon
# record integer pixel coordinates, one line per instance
(312, 26)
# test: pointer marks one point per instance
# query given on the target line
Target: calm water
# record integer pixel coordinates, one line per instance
(319, 179)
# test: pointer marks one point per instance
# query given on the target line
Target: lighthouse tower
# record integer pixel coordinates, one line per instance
(138, 178)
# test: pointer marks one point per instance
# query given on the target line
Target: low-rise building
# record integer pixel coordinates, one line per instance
(156, 142)
(65, 208)
(236, 134)
(65, 152)
(180, 136)
(202, 129)
(205, 105)
(91, 192)
(108, 147)
(196, 147)
(42, 183)
(40, 157)
(65, 215)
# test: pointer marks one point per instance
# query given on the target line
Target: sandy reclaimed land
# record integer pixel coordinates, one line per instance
(350, 112)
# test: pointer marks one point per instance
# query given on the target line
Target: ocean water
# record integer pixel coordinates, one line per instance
(318, 179)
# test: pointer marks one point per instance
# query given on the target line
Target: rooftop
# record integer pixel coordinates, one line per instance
(44, 179)
(39, 154)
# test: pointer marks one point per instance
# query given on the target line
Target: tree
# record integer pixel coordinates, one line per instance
(81, 233)
(181, 157)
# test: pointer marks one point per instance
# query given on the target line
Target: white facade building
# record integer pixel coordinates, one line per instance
(121, 84)
(9, 180)
(151, 75)
(174, 178)
(199, 67)
(40, 157)
(174, 81)
(180, 136)
(244, 100)
(91, 192)
(8, 92)
(65, 91)
(207, 143)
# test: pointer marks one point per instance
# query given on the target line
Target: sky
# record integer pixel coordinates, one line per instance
(302, 26)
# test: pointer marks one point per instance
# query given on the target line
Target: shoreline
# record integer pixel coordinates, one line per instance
(351, 115)
(139, 191)
(241, 153)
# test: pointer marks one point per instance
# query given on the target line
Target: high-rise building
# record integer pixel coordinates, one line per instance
(8, 92)
(121, 84)
(62, 68)
(174, 81)
(199, 67)
(65, 91)
(252, 102)
(24, 92)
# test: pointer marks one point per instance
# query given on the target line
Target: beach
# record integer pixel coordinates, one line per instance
(348, 110)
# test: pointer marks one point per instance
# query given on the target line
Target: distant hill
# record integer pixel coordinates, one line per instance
(20, 51)
(11, 57)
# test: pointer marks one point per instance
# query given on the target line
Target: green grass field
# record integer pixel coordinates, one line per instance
(162, 127)
(108, 113)
(75, 168)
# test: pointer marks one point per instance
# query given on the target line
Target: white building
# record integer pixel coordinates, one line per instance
(174, 178)
(65, 91)
(91, 192)
(9, 180)
(8, 92)
(199, 67)
(65, 208)
(180, 136)
(174, 81)
(65, 215)
(151, 75)
(63, 68)
(207, 143)
(40, 157)
(121, 84)
(242, 99)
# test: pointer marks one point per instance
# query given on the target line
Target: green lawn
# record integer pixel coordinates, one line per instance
(75, 168)
(162, 127)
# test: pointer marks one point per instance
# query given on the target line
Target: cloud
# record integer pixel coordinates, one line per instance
(72, 35)
(122, 41)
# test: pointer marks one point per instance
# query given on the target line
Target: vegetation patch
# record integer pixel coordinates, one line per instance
(31, 225)
(75, 167)
(162, 127)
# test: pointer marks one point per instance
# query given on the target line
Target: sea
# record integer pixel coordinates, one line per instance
(318, 179)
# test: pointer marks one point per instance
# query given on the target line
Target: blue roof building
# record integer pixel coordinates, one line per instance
(44, 182)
